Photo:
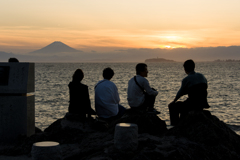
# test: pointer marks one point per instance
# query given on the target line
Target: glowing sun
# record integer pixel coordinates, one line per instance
(168, 47)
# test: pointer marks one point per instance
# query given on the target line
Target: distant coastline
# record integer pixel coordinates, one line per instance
(227, 60)
(158, 60)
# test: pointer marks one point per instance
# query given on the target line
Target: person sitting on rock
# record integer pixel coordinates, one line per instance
(79, 97)
(13, 60)
(107, 98)
(195, 86)
(140, 95)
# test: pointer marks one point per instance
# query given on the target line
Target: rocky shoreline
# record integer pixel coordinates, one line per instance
(198, 136)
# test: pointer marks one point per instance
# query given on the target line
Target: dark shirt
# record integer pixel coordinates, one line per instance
(195, 86)
(79, 98)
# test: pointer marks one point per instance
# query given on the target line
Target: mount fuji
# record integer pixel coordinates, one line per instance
(56, 47)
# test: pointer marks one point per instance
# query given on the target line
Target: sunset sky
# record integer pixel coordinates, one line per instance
(87, 25)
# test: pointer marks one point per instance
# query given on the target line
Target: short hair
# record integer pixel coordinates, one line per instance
(108, 73)
(13, 60)
(140, 67)
(189, 65)
(78, 75)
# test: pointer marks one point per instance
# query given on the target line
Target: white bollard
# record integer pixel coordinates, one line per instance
(46, 150)
(126, 136)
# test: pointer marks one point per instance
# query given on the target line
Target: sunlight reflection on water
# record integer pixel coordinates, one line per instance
(51, 87)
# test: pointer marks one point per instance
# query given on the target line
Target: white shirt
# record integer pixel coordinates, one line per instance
(135, 93)
(106, 99)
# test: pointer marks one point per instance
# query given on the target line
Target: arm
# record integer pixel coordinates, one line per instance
(148, 89)
(116, 95)
(89, 109)
(182, 91)
(87, 98)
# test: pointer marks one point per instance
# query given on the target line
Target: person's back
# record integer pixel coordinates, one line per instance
(79, 98)
(140, 94)
(195, 86)
(135, 93)
(107, 98)
(79, 102)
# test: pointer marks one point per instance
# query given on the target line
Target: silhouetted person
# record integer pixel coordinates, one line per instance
(107, 98)
(140, 94)
(13, 60)
(79, 96)
(195, 86)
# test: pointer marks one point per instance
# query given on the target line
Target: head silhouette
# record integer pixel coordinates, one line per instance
(108, 73)
(189, 66)
(140, 67)
(13, 60)
(78, 75)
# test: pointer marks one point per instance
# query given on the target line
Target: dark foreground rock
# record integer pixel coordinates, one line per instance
(147, 123)
(198, 136)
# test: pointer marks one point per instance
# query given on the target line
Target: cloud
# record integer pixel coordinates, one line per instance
(121, 50)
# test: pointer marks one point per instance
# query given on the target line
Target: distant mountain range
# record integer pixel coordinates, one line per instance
(56, 47)
(60, 52)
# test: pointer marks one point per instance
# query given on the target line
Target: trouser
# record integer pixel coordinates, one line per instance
(148, 103)
(180, 109)
(121, 111)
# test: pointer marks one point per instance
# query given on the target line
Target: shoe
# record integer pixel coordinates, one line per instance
(152, 110)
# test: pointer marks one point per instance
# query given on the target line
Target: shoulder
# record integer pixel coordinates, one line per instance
(99, 82)
(83, 85)
(72, 85)
(106, 83)
(132, 79)
(141, 78)
(188, 77)
(199, 74)
(111, 83)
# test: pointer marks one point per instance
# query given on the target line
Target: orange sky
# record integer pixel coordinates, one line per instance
(28, 25)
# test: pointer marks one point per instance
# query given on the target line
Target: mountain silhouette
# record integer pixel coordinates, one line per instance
(56, 47)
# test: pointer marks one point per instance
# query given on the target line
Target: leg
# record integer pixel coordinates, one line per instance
(121, 111)
(149, 101)
(174, 111)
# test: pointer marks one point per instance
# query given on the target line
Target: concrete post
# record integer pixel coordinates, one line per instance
(126, 136)
(46, 150)
(17, 104)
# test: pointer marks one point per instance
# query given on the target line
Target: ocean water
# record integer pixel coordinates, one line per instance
(52, 93)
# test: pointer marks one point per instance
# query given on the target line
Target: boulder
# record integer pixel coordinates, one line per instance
(147, 122)
(198, 136)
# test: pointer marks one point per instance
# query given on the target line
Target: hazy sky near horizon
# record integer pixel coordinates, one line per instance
(27, 25)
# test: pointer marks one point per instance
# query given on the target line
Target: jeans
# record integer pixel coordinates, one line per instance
(121, 111)
(180, 109)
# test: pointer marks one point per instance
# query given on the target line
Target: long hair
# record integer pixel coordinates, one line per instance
(78, 75)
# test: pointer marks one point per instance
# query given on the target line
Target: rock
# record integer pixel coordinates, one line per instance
(54, 127)
(193, 139)
(126, 137)
(147, 122)
(46, 150)
(198, 136)
(37, 130)
(202, 128)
